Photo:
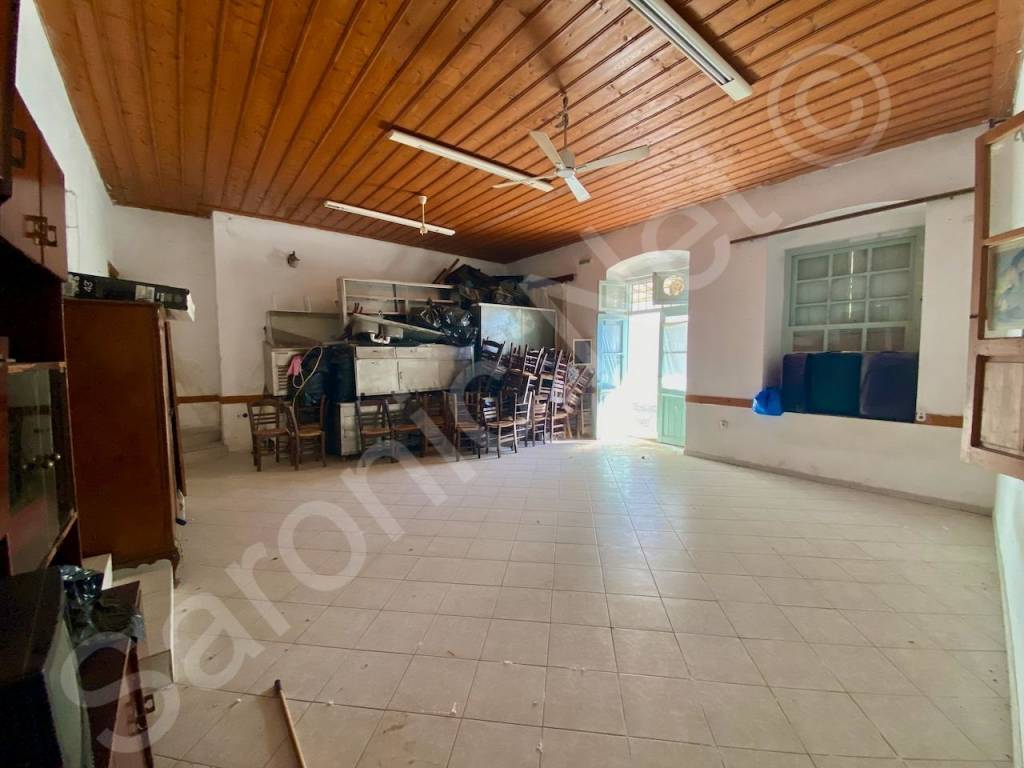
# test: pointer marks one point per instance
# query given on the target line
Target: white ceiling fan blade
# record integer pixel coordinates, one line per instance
(577, 189)
(626, 156)
(548, 148)
(523, 181)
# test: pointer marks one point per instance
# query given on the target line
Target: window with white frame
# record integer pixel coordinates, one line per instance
(855, 296)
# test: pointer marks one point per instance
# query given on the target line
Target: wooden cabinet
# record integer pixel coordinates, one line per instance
(8, 57)
(33, 219)
(121, 429)
(24, 203)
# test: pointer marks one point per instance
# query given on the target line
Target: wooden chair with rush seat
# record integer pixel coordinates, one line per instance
(268, 427)
(306, 432)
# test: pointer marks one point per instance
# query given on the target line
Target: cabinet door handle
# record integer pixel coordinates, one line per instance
(19, 160)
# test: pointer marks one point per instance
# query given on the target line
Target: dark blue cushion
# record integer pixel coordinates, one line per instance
(889, 386)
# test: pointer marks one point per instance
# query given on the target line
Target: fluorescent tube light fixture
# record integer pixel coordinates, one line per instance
(422, 226)
(449, 153)
(663, 18)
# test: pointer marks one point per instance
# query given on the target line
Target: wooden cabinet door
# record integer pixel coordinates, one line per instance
(8, 55)
(5, 506)
(993, 435)
(24, 202)
(53, 202)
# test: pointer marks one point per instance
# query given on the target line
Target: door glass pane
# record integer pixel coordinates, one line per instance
(890, 284)
(1006, 296)
(812, 293)
(844, 340)
(673, 353)
(812, 267)
(610, 351)
(813, 315)
(895, 256)
(1006, 168)
(809, 341)
(886, 339)
(847, 312)
(889, 309)
(849, 288)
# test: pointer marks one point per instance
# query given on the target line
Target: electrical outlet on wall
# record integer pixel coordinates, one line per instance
(919, 416)
(723, 424)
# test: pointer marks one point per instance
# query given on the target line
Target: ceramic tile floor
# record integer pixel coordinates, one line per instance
(581, 605)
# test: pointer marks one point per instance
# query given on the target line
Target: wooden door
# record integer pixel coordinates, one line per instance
(672, 356)
(52, 209)
(19, 216)
(993, 435)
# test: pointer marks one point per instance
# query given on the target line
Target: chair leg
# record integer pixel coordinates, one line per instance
(323, 449)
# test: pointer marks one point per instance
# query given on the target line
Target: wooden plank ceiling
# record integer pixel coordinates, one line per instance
(268, 107)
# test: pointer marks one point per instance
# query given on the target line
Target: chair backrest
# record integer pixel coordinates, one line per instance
(533, 360)
(460, 410)
(266, 413)
(401, 408)
(372, 413)
(432, 403)
(491, 349)
(488, 410)
(311, 414)
(514, 362)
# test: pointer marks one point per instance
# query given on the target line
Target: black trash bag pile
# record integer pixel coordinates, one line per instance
(474, 286)
(91, 613)
(455, 323)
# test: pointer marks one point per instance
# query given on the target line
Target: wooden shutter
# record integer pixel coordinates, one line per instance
(993, 435)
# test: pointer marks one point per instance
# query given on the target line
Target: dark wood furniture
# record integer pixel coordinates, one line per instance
(42, 527)
(268, 429)
(32, 219)
(119, 374)
(8, 58)
(112, 667)
(33, 264)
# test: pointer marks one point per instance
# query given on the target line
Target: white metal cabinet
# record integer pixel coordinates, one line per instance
(383, 370)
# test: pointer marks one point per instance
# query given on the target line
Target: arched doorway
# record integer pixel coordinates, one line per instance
(641, 343)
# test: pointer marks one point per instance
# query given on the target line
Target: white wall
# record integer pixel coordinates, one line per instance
(169, 249)
(736, 315)
(89, 210)
(252, 277)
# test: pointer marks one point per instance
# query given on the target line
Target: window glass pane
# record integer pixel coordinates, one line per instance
(812, 267)
(841, 263)
(844, 340)
(849, 288)
(847, 312)
(814, 315)
(1006, 289)
(809, 341)
(889, 309)
(886, 339)
(673, 371)
(890, 284)
(860, 260)
(812, 293)
(895, 256)
(1006, 168)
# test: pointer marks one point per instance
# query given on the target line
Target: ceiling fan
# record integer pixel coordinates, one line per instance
(565, 162)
